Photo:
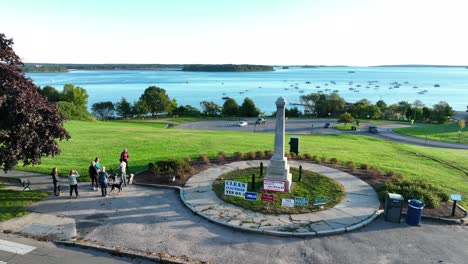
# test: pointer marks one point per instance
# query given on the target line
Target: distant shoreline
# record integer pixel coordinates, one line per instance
(66, 67)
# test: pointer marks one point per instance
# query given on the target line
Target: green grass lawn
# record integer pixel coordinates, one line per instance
(447, 132)
(312, 185)
(148, 142)
(344, 127)
(13, 203)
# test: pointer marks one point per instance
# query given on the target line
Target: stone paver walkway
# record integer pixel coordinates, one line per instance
(359, 207)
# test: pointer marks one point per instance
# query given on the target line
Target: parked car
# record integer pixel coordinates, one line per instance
(373, 129)
(327, 125)
(260, 121)
(242, 123)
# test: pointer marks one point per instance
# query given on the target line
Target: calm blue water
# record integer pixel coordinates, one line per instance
(352, 83)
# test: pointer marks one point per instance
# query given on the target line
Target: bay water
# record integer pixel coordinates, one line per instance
(391, 84)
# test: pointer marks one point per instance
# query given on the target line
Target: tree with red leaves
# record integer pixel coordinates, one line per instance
(29, 124)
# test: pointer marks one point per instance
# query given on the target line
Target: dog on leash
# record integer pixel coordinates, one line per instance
(130, 178)
(116, 185)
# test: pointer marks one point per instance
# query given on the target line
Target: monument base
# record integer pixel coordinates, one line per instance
(279, 170)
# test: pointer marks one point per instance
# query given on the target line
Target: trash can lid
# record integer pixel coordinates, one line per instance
(416, 203)
(395, 196)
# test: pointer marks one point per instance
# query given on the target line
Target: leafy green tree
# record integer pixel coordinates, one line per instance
(123, 108)
(404, 109)
(210, 108)
(187, 110)
(293, 112)
(103, 110)
(230, 108)
(78, 97)
(346, 118)
(51, 93)
(157, 100)
(248, 108)
(29, 124)
(140, 108)
(381, 105)
(323, 105)
(75, 95)
(426, 113)
(362, 109)
(442, 112)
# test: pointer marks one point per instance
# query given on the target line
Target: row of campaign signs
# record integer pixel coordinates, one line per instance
(239, 189)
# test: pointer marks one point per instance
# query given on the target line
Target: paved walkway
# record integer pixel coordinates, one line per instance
(155, 221)
(359, 207)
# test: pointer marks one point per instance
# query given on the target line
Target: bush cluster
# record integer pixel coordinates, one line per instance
(179, 166)
(334, 161)
(203, 158)
(268, 153)
(222, 156)
(414, 189)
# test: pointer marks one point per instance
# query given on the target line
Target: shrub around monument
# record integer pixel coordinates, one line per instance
(414, 189)
(179, 167)
(312, 185)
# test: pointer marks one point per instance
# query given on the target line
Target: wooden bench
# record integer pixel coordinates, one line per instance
(18, 181)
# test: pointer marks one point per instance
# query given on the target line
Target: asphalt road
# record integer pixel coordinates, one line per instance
(50, 253)
(316, 126)
(155, 220)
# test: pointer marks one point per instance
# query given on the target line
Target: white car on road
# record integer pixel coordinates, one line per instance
(242, 123)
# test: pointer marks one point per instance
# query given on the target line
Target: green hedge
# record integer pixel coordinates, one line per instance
(415, 189)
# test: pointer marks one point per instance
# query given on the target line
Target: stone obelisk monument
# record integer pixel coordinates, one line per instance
(279, 167)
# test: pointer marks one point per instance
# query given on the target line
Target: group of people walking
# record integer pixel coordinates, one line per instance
(100, 179)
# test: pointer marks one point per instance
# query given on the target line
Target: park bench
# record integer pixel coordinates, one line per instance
(18, 181)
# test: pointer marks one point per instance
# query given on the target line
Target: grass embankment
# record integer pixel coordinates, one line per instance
(13, 203)
(447, 133)
(148, 142)
(345, 127)
(312, 185)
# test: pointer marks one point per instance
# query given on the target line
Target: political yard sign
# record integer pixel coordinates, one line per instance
(301, 201)
(274, 185)
(234, 188)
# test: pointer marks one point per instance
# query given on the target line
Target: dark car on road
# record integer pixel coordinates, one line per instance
(327, 125)
(373, 129)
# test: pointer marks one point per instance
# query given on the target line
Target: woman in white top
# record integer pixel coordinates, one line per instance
(73, 182)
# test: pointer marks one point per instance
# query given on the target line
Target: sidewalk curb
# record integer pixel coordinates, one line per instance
(359, 225)
(156, 258)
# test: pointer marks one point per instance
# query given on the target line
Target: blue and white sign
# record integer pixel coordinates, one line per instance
(287, 202)
(234, 188)
(455, 197)
(251, 196)
(301, 201)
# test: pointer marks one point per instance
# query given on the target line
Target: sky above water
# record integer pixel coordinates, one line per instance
(292, 32)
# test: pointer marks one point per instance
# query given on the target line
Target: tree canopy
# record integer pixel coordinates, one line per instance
(103, 110)
(230, 108)
(210, 108)
(157, 100)
(30, 124)
(123, 108)
(248, 108)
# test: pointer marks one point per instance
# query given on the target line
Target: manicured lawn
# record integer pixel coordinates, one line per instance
(311, 186)
(344, 127)
(13, 203)
(148, 142)
(447, 132)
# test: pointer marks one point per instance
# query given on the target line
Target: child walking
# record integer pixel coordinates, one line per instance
(56, 181)
(73, 182)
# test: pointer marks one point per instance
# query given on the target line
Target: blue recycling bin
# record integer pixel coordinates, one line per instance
(413, 216)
